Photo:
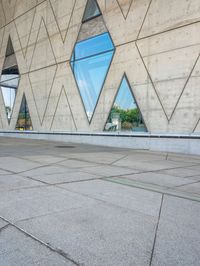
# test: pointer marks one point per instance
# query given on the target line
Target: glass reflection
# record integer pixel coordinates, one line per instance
(24, 120)
(91, 11)
(9, 79)
(125, 114)
(90, 63)
(9, 84)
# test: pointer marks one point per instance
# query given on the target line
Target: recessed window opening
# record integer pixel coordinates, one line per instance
(90, 63)
(9, 79)
(24, 119)
(91, 11)
(125, 114)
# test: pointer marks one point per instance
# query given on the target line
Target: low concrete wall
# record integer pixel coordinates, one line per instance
(187, 144)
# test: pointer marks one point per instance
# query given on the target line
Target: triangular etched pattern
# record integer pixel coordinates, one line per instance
(43, 54)
(62, 11)
(125, 6)
(41, 87)
(63, 117)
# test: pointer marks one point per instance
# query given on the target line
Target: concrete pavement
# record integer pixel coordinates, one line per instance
(72, 204)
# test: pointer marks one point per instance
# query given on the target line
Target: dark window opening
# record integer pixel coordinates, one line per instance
(91, 10)
(24, 119)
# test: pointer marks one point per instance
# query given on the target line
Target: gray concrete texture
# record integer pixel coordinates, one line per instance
(164, 74)
(72, 204)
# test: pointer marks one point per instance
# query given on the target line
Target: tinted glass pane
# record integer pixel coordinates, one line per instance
(24, 120)
(90, 74)
(9, 81)
(91, 10)
(92, 46)
(125, 114)
(11, 71)
(9, 84)
(90, 63)
(9, 98)
(9, 49)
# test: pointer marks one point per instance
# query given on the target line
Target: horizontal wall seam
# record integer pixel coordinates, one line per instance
(147, 135)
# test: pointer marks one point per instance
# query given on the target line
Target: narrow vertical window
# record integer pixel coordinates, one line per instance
(24, 119)
(9, 80)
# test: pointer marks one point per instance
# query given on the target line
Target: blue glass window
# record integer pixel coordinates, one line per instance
(125, 114)
(95, 45)
(90, 63)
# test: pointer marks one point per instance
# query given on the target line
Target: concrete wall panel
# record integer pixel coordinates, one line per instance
(157, 47)
(166, 15)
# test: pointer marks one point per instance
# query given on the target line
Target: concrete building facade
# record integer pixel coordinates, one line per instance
(154, 45)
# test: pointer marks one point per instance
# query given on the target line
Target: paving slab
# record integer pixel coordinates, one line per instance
(10, 182)
(181, 172)
(183, 157)
(17, 165)
(101, 157)
(146, 202)
(47, 170)
(82, 213)
(44, 159)
(4, 172)
(151, 165)
(27, 203)
(71, 163)
(2, 223)
(160, 179)
(143, 156)
(178, 236)
(18, 249)
(65, 177)
(101, 235)
(196, 177)
(108, 170)
(195, 167)
(191, 188)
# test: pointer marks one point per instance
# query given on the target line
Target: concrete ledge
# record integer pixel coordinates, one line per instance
(183, 143)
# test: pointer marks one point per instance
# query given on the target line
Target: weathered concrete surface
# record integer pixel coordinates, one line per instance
(72, 204)
(157, 46)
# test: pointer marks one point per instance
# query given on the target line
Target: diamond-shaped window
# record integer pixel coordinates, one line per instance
(125, 114)
(9, 80)
(90, 63)
(24, 119)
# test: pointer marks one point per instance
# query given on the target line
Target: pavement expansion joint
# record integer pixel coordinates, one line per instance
(156, 231)
(154, 188)
(58, 251)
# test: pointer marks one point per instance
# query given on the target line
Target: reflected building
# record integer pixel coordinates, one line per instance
(125, 114)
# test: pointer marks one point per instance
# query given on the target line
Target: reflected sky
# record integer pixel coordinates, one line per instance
(124, 99)
(90, 63)
(9, 84)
